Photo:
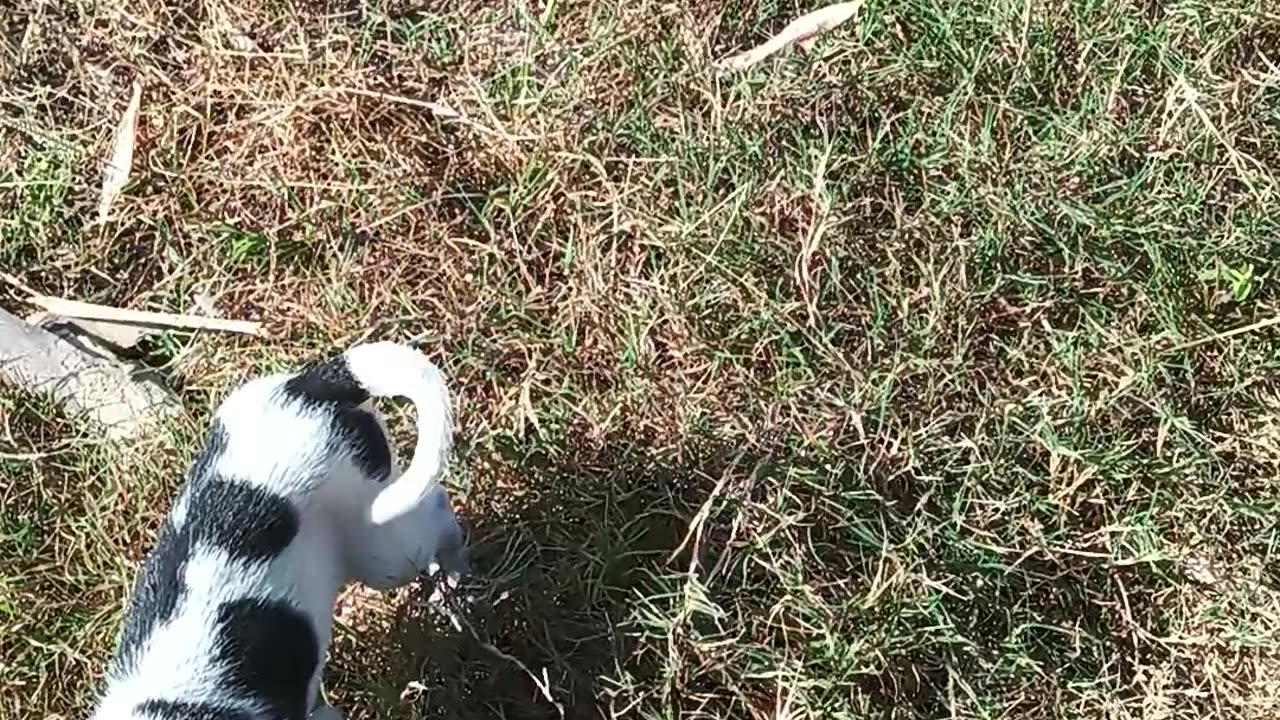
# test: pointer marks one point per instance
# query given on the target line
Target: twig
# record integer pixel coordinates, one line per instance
(694, 532)
(543, 683)
(802, 31)
(1228, 334)
(91, 311)
(436, 108)
(440, 110)
(28, 457)
(17, 283)
(106, 313)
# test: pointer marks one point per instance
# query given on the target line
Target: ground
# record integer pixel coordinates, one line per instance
(891, 379)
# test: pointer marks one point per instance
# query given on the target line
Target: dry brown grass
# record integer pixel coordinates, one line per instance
(900, 318)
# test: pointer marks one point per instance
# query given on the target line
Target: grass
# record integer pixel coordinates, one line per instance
(882, 381)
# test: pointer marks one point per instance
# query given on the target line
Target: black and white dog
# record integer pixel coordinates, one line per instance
(295, 494)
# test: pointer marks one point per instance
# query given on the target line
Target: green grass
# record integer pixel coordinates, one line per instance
(886, 380)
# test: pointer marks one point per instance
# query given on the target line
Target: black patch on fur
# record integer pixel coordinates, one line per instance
(331, 384)
(269, 652)
(369, 447)
(159, 584)
(327, 382)
(215, 444)
(246, 521)
(178, 710)
(156, 591)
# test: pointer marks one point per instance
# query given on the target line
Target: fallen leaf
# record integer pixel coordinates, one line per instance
(803, 31)
(115, 174)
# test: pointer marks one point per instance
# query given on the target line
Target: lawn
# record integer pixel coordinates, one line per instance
(924, 374)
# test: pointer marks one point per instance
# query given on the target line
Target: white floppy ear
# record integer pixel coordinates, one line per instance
(325, 712)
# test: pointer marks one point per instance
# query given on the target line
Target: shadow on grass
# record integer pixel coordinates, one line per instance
(575, 581)
(561, 551)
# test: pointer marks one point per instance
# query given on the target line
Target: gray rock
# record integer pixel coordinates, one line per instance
(85, 379)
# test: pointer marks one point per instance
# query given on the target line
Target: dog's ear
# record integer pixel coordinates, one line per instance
(451, 548)
(452, 557)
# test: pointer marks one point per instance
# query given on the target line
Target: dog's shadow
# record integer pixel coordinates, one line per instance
(579, 550)
(561, 548)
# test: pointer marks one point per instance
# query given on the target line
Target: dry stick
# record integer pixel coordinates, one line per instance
(694, 532)
(90, 311)
(440, 110)
(436, 108)
(542, 683)
(802, 31)
(1228, 334)
(17, 283)
(106, 313)
(27, 457)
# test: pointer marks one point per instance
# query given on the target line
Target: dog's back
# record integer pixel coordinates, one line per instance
(295, 492)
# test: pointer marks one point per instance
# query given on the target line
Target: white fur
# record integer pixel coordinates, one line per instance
(351, 527)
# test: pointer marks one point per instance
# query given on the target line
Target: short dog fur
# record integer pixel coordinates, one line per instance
(295, 494)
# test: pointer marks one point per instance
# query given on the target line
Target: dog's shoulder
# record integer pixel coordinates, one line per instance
(204, 622)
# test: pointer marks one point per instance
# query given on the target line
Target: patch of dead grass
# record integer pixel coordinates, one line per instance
(893, 318)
